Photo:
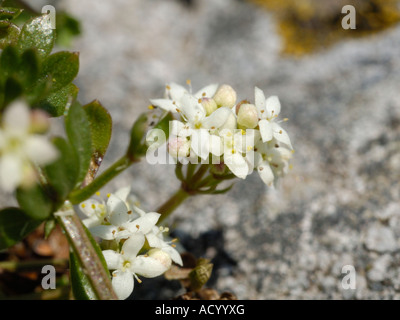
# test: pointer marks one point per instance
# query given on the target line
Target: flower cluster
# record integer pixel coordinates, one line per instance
(22, 146)
(135, 245)
(244, 136)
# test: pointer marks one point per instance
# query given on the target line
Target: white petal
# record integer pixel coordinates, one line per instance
(123, 193)
(113, 259)
(265, 172)
(176, 91)
(117, 210)
(122, 283)
(273, 107)
(16, 118)
(91, 222)
(165, 104)
(88, 207)
(192, 109)
(265, 130)
(132, 246)
(40, 150)
(145, 222)
(207, 92)
(259, 102)
(174, 254)
(154, 241)
(201, 143)
(148, 267)
(217, 119)
(216, 145)
(281, 135)
(237, 164)
(104, 232)
(11, 174)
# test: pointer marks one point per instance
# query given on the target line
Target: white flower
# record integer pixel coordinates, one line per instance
(175, 92)
(128, 265)
(272, 161)
(197, 125)
(115, 220)
(268, 110)
(20, 149)
(238, 146)
(156, 240)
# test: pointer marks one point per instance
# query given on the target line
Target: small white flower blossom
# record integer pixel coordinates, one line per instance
(209, 124)
(272, 161)
(114, 220)
(21, 149)
(127, 264)
(175, 93)
(268, 110)
(155, 239)
(237, 144)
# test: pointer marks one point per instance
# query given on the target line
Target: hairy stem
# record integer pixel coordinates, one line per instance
(172, 203)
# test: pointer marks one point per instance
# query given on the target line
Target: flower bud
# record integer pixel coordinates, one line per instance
(178, 147)
(225, 96)
(209, 105)
(162, 257)
(40, 121)
(247, 116)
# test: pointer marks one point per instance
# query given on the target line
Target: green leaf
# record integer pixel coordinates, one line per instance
(9, 34)
(81, 286)
(78, 130)
(62, 67)
(14, 226)
(137, 146)
(49, 226)
(7, 13)
(101, 128)
(37, 33)
(63, 173)
(34, 202)
(9, 61)
(12, 90)
(163, 124)
(56, 102)
(28, 68)
(67, 28)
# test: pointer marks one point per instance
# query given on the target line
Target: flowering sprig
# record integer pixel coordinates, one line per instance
(121, 221)
(216, 137)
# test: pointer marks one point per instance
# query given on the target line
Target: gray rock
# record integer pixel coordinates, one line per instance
(344, 111)
(381, 239)
(379, 271)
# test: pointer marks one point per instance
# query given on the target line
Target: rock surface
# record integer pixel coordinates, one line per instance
(340, 203)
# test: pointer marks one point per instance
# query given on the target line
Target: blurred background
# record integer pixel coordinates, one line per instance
(339, 205)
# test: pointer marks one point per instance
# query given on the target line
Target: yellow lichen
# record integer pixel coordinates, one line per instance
(309, 25)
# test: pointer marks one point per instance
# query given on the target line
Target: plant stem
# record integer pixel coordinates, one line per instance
(85, 252)
(32, 265)
(172, 203)
(80, 195)
(188, 188)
